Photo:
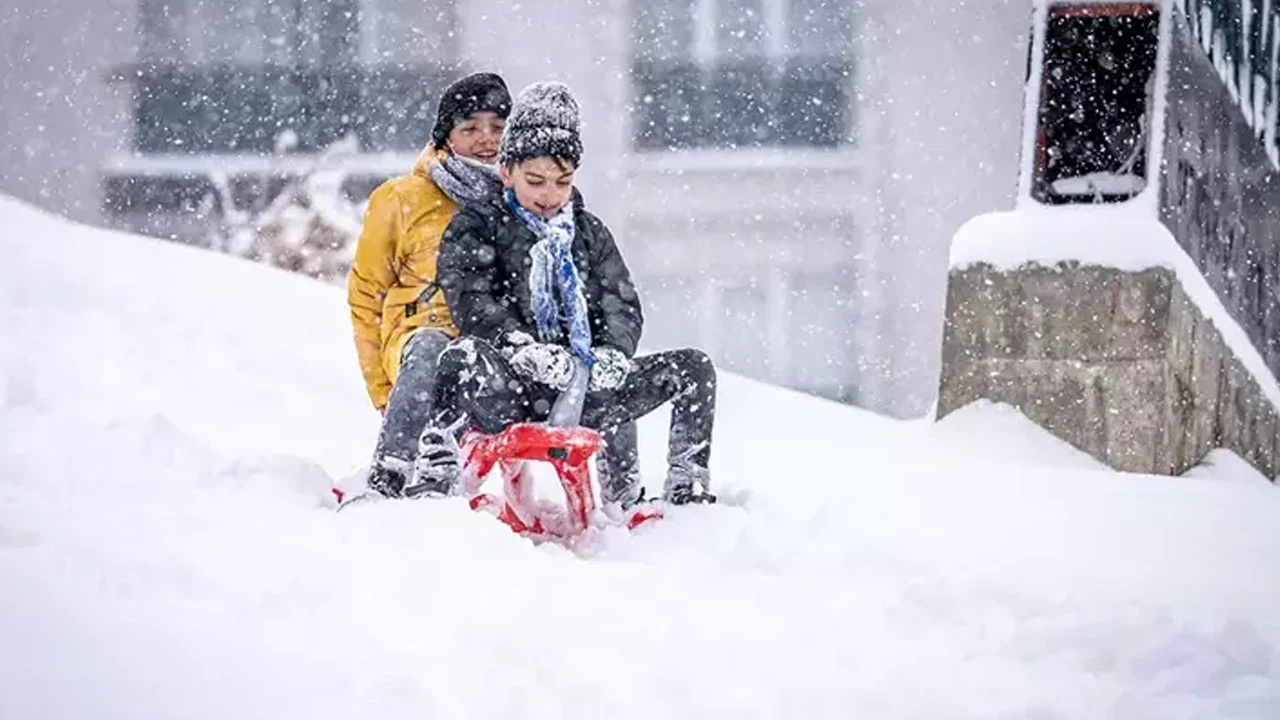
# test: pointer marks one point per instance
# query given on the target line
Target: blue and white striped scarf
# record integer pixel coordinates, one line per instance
(554, 286)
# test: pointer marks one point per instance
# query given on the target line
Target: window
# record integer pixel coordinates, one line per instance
(742, 73)
(280, 32)
(230, 76)
(396, 32)
(1099, 67)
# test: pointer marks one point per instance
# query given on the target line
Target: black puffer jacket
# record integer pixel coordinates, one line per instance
(483, 270)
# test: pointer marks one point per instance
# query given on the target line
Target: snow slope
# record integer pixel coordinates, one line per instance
(170, 419)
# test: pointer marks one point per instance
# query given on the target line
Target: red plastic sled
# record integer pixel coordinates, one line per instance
(568, 450)
(560, 442)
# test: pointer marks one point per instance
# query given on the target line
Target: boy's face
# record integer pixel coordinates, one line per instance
(542, 185)
(477, 137)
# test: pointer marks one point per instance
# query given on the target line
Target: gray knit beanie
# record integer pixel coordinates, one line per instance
(544, 122)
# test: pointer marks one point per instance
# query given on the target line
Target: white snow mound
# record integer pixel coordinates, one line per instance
(170, 420)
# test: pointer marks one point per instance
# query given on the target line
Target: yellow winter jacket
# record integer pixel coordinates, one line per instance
(391, 287)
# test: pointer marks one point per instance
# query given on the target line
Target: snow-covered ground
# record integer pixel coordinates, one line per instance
(170, 420)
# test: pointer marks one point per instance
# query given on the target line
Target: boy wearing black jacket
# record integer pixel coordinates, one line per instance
(533, 279)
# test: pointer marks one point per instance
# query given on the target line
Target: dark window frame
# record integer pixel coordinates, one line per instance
(317, 88)
(736, 101)
(183, 108)
(1112, 105)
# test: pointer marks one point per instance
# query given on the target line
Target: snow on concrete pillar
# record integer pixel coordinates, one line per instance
(1099, 306)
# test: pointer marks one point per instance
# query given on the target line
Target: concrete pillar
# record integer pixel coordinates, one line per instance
(1120, 364)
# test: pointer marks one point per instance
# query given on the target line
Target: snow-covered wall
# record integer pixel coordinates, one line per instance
(1142, 330)
(1122, 364)
(1220, 194)
(1241, 41)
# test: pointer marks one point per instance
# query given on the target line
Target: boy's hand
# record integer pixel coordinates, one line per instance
(512, 341)
(611, 369)
(547, 364)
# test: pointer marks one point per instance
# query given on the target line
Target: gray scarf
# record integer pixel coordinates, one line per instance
(465, 181)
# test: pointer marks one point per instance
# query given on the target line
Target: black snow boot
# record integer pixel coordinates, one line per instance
(435, 471)
(388, 476)
(687, 482)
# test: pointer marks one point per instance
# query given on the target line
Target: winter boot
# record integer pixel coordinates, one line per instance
(687, 482)
(388, 476)
(436, 469)
(687, 495)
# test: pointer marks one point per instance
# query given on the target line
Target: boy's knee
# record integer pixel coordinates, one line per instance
(464, 352)
(426, 346)
(433, 342)
(697, 364)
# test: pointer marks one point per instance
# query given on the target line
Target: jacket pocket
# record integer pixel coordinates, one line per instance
(399, 298)
(420, 306)
(422, 300)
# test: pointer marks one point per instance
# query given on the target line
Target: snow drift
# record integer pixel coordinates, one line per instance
(170, 420)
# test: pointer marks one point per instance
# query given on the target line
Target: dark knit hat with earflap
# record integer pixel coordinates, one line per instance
(544, 122)
(474, 93)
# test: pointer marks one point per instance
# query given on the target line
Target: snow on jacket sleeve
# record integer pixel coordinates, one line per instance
(468, 273)
(616, 317)
(371, 274)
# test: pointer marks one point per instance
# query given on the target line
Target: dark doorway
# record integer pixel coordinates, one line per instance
(1095, 102)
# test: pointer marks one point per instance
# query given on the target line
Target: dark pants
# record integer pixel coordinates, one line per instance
(411, 402)
(476, 383)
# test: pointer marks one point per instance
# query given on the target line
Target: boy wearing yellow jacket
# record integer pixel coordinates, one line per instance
(399, 316)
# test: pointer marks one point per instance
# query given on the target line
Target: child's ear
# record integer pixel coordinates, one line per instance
(505, 174)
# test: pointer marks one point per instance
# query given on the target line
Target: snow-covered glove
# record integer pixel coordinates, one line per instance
(547, 364)
(610, 370)
(512, 341)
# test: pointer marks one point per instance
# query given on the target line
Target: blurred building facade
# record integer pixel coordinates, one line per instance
(784, 176)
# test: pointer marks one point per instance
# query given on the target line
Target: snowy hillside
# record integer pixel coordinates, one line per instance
(170, 420)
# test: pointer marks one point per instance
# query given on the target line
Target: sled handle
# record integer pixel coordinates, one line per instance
(567, 411)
